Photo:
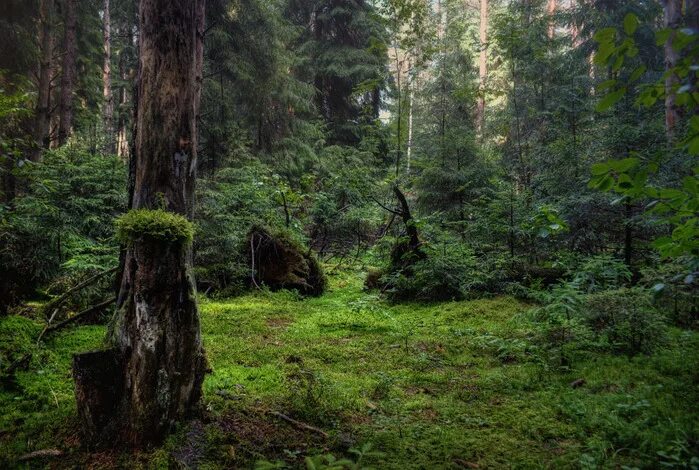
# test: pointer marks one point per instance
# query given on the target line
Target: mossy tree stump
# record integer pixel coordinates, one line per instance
(153, 373)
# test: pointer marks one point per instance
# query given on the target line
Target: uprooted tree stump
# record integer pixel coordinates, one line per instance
(278, 262)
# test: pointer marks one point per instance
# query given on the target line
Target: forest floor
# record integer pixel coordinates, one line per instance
(429, 385)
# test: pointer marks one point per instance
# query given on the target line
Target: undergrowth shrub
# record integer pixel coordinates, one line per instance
(61, 229)
(626, 320)
(564, 331)
(600, 273)
(675, 290)
(312, 397)
(448, 272)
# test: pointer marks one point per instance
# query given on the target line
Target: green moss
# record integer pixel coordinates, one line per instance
(154, 224)
(428, 384)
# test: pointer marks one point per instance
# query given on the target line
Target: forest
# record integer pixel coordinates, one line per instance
(349, 234)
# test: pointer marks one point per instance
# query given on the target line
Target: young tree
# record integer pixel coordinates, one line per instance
(135, 392)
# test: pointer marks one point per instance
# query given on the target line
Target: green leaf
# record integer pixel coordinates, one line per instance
(624, 181)
(623, 165)
(606, 183)
(610, 99)
(638, 73)
(630, 24)
(600, 169)
(662, 36)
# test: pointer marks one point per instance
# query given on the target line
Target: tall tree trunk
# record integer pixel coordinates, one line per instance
(411, 100)
(122, 144)
(673, 19)
(482, 67)
(124, 108)
(43, 102)
(108, 110)
(65, 123)
(550, 11)
(158, 359)
(692, 21)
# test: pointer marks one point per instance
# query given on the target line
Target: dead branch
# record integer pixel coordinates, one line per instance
(392, 211)
(299, 424)
(60, 299)
(79, 316)
(38, 454)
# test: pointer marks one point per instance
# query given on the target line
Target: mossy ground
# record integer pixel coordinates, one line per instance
(442, 385)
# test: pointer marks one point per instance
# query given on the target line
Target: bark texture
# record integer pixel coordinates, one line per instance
(43, 102)
(65, 123)
(551, 11)
(157, 341)
(108, 110)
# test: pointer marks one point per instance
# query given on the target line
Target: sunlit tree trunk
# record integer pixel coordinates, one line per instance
(108, 110)
(43, 100)
(155, 371)
(673, 19)
(65, 123)
(551, 11)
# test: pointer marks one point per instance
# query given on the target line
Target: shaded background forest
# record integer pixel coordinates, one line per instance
(311, 110)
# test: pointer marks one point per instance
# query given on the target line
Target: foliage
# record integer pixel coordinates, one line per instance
(626, 320)
(675, 205)
(61, 228)
(450, 271)
(598, 273)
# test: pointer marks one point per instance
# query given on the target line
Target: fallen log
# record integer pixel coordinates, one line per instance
(79, 316)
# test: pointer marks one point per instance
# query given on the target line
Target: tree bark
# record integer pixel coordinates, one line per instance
(43, 102)
(692, 13)
(65, 124)
(411, 99)
(482, 67)
(108, 110)
(673, 19)
(124, 108)
(157, 342)
(550, 11)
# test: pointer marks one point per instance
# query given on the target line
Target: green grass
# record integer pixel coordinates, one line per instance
(444, 385)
